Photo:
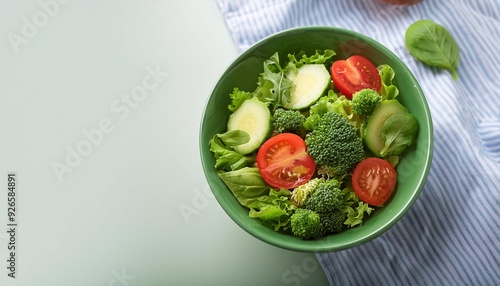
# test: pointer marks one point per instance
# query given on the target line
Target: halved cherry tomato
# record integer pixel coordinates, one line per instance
(373, 180)
(283, 162)
(354, 74)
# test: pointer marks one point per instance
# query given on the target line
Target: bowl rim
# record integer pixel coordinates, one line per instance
(318, 246)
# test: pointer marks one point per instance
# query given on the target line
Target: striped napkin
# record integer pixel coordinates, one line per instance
(451, 235)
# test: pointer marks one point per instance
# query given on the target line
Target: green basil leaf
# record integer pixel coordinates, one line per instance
(247, 185)
(234, 138)
(432, 44)
(398, 132)
(271, 206)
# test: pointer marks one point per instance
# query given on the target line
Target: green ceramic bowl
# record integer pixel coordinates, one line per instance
(243, 72)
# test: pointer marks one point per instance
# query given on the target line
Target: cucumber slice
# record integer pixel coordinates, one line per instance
(310, 82)
(372, 135)
(253, 117)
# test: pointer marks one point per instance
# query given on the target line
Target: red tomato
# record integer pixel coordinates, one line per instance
(283, 161)
(373, 180)
(354, 74)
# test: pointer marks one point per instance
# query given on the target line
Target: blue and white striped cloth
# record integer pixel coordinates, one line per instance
(451, 234)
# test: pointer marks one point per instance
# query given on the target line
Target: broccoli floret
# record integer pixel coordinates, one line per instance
(305, 224)
(327, 197)
(365, 101)
(332, 222)
(301, 193)
(285, 120)
(335, 146)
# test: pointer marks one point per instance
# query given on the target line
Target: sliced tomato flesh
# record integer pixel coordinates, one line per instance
(283, 162)
(373, 180)
(354, 74)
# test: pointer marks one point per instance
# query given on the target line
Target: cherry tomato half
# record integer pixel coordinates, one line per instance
(354, 74)
(283, 162)
(373, 180)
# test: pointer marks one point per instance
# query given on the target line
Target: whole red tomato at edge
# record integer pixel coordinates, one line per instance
(354, 74)
(283, 162)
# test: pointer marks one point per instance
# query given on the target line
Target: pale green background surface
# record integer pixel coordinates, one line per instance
(135, 209)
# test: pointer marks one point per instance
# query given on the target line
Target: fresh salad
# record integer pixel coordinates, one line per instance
(312, 150)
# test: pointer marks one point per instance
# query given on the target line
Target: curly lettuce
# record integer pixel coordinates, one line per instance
(237, 98)
(354, 208)
(275, 209)
(299, 59)
(331, 102)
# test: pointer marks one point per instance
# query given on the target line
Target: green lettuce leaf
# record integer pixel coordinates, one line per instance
(388, 90)
(271, 206)
(331, 102)
(237, 98)
(272, 84)
(274, 209)
(301, 58)
(222, 145)
(354, 208)
(356, 215)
